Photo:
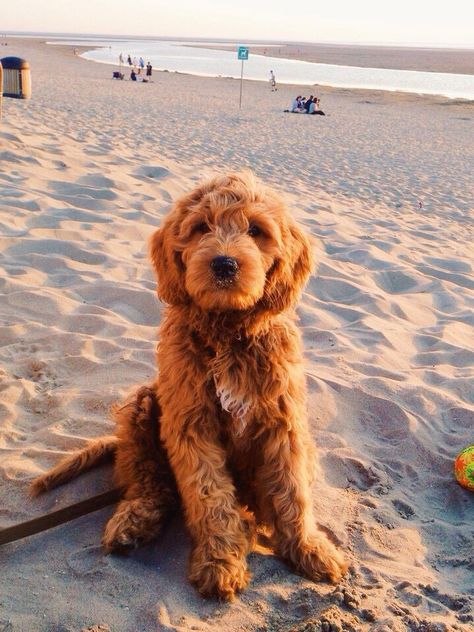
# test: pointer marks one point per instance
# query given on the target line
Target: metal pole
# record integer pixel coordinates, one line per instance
(241, 81)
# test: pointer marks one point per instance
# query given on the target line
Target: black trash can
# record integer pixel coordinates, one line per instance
(16, 78)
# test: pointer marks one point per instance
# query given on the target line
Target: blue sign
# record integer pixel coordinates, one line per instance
(243, 52)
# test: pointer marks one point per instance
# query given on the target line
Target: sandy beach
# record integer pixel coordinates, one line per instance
(88, 168)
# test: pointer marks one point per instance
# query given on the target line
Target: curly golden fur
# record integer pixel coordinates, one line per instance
(230, 263)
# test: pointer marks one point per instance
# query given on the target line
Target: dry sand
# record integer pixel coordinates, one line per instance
(88, 168)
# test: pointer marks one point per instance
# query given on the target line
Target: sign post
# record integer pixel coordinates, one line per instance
(243, 55)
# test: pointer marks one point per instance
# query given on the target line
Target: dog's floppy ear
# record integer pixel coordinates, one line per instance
(167, 263)
(165, 251)
(289, 274)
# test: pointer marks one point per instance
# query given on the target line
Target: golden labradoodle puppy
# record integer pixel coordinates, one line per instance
(230, 394)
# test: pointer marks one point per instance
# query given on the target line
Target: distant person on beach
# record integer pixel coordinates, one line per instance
(273, 81)
(133, 75)
(149, 69)
(129, 60)
(120, 59)
(308, 103)
(142, 63)
(297, 106)
(315, 107)
(135, 62)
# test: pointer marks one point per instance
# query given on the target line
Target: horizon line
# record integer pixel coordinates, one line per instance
(111, 36)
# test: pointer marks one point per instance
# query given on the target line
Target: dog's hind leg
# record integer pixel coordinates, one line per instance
(142, 469)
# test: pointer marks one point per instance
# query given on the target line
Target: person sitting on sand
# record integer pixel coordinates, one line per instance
(308, 103)
(133, 75)
(314, 108)
(296, 106)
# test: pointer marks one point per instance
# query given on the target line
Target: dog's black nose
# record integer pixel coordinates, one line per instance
(224, 267)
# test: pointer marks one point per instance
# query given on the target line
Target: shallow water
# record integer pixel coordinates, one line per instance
(183, 57)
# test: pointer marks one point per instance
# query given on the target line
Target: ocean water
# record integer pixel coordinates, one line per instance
(183, 57)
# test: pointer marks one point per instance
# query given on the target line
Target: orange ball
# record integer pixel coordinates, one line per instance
(464, 468)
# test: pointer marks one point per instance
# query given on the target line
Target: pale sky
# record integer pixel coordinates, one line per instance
(373, 21)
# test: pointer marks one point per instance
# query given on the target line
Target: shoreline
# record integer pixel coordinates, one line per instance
(299, 86)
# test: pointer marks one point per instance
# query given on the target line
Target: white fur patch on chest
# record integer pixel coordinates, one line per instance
(237, 407)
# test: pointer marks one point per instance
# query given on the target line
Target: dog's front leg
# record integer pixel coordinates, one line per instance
(284, 482)
(218, 528)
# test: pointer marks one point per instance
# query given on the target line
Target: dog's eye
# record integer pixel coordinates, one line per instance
(254, 230)
(201, 228)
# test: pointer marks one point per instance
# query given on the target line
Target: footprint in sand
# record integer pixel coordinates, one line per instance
(451, 265)
(11, 137)
(48, 247)
(136, 306)
(69, 190)
(403, 509)
(460, 418)
(98, 181)
(443, 275)
(12, 157)
(344, 471)
(151, 171)
(339, 291)
(428, 599)
(400, 282)
(52, 149)
(88, 560)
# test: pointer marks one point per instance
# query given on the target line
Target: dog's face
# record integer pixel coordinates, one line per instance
(229, 245)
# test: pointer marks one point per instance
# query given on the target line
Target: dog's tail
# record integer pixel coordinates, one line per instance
(96, 452)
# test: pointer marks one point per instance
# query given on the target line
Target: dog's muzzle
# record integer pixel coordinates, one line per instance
(224, 268)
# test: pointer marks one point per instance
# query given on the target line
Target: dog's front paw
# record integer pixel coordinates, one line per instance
(318, 559)
(221, 578)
